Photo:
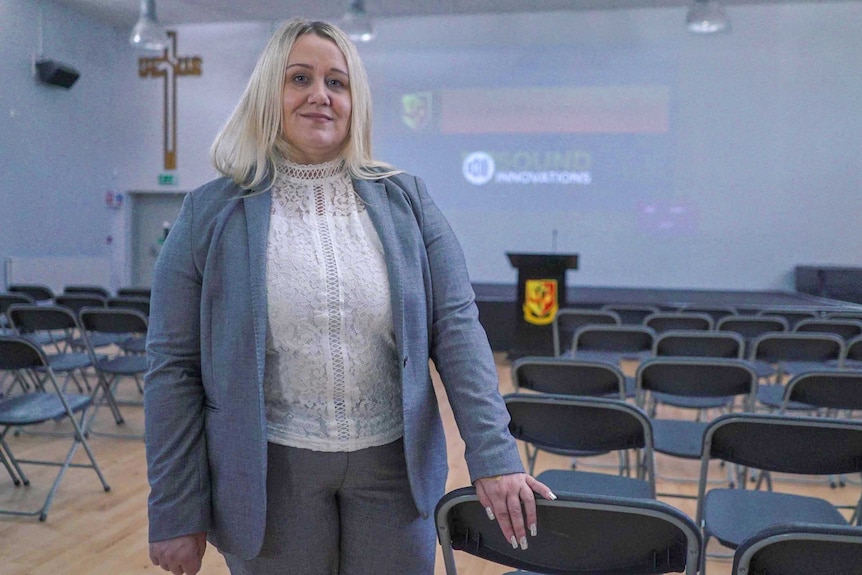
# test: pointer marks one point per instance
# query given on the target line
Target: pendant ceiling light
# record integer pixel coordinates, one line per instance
(356, 23)
(706, 17)
(148, 34)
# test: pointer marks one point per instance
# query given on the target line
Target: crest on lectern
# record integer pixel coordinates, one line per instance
(540, 301)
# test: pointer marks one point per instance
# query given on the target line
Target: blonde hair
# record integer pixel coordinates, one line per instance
(251, 141)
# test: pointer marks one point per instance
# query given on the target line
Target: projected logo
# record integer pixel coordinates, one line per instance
(566, 167)
(416, 110)
(478, 168)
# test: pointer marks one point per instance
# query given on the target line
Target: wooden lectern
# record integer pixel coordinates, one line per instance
(541, 292)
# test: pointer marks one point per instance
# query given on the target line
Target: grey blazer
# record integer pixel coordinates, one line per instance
(205, 423)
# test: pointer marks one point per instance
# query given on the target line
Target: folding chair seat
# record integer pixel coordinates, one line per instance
(35, 407)
(568, 425)
(793, 353)
(87, 290)
(851, 358)
(111, 368)
(39, 293)
(568, 320)
(632, 314)
(780, 444)
(846, 329)
(801, 549)
(677, 321)
(57, 327)
(691, 383)
(576, 534)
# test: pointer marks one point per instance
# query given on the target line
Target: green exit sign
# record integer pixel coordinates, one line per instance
(168, 180)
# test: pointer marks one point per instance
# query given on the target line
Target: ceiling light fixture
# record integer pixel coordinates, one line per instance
(148, 34)
(706, 17)
(356, 23)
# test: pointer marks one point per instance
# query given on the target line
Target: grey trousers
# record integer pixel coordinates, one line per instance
(341, 514)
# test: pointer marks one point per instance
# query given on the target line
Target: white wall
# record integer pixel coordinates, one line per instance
(766, 134)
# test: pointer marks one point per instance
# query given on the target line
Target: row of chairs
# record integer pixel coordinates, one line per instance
(40, 293)
(572, 424)
(605, 535)
(636, 313)
(58, 365)
(567, 321)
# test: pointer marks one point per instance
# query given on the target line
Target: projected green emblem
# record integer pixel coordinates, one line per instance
(416, 110)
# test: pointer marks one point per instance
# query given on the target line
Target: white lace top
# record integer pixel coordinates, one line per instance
(332, 381)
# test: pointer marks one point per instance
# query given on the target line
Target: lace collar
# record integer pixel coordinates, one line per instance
(287, 170)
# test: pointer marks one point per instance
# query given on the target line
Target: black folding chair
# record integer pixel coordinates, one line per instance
(87, 290)
(801, 549)
(577, 534)
(127, 326)
(35, 407)
(567, 376)
(774, 443)
(38, 292)
(569, 320)
(569, 426)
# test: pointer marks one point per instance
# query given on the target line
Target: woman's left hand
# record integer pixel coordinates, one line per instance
(503, 497)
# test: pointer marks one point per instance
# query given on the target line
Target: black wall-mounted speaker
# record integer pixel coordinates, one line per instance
(56, 74)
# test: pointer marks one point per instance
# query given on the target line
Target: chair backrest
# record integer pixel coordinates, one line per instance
(699, 344)
(10, 299)
(577, 534)
(844, 328)
(87, 290)
(829, 389)
(36, 291)
(32, 318)
(112, 320)
(677, 321)
(801, 549)
(568, 320)
(750, 327)
(579, 423)
(846, 314)
(18, 353)
(792, 315)
(128, 302)
(566, 376)
(777, 347)
(852, 350)
(78, 301)
(697, 377)
(614, 338)
(632, 314)
(130, 291)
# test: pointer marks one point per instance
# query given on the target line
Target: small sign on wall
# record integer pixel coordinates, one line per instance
(168, 180)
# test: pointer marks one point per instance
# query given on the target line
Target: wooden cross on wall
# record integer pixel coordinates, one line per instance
(169, 66)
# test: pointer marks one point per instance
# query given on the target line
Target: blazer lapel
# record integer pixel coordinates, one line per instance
(374, 194)
(257, 210)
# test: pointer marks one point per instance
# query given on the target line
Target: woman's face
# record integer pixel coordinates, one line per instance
(316, 100)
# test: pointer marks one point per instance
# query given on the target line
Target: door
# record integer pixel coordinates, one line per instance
(152, 214)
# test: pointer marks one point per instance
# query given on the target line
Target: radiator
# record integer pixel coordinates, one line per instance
(56, 272)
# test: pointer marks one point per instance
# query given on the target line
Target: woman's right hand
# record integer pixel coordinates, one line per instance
(181, 555)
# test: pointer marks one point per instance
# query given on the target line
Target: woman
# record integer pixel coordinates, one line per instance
(290, 413)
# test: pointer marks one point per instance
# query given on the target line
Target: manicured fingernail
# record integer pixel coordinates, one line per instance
(514, 542)
(551, 495)
(490, 513)
(523, 543)
(533, 529)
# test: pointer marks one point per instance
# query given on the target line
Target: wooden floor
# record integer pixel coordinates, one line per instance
(97, 533)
